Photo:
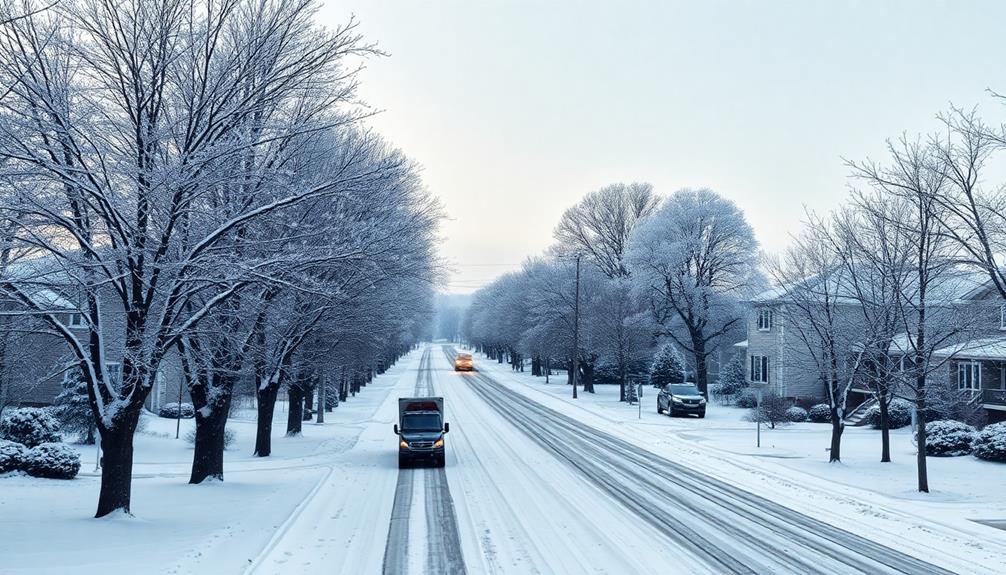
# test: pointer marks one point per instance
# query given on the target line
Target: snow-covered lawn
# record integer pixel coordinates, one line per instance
(860, 494)
(46, 526)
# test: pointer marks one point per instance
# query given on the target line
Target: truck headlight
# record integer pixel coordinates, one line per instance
(403, 444)
(438, 443)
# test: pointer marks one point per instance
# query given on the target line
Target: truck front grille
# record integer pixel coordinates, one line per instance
(421, 445)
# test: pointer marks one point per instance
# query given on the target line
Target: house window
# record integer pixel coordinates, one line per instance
(759, 369)
(1002, 316)
(969, 376)
(764, 320)
(76, 320)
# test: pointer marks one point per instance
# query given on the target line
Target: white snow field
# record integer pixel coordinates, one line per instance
(534, 483)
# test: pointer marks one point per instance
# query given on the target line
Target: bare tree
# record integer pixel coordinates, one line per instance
(970, 213)
(820, 312)
(874, 248)
(918, 175)
(599, 226)
(132, 164)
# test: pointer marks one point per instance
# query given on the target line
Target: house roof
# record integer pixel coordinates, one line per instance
(48, 299)
(989, 348)
(955, 286)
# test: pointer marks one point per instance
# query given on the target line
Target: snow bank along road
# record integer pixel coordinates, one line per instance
(440, 536)
(719, 526)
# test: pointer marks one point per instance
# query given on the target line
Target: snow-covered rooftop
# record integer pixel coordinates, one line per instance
(958, 285)
(990, 348)
(48, 299)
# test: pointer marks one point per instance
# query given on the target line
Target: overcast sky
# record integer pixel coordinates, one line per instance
(515, 109)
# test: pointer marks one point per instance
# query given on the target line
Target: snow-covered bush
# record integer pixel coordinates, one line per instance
(899, 414)
(746, 399)
(668, 366)
(948, 438)
(11, 456)
(229, 437)
(990, 443)
(53, 461)
(170, 410)
(796, 414)
(773, 410)
(630, 393)
(733, 378)
(716, 392)
(819, 413)
(30, 426)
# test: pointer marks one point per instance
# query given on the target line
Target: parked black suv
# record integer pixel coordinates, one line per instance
(681, 399)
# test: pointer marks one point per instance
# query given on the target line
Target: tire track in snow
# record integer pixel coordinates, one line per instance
(718, 518)
(396, 550)
(442, 541)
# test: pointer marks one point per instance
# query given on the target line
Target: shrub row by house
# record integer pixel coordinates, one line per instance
(30, 442)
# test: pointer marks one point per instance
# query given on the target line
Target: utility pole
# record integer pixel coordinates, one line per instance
(576, 328)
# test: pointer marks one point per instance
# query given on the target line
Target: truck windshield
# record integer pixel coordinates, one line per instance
(421, 422)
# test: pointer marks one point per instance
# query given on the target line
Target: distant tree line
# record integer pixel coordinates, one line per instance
(652, 269)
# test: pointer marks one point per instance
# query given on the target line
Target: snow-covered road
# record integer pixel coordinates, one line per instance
(528, 489)
(724, 528)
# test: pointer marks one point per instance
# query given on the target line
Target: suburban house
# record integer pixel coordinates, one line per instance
(35, 360)
(974, 362)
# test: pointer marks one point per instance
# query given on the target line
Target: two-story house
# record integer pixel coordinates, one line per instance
(35, 360)
(973, 361)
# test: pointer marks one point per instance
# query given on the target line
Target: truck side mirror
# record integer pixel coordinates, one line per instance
(396, 429)
(447, 427)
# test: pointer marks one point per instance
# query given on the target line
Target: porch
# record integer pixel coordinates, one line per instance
(979, 367)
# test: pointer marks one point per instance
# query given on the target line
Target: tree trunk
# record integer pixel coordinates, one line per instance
(885, 429)
(266, 409)
(117, 464)
(308, 404)
(295, 417)
(621, 381)
(322, 399)
(701, 371)
(588, 376)
(208, 457)
(837, 426)
(920, 456)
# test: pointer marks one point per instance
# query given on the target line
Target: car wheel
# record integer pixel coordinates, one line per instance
(403, 462)
(440, 461)
(660, 410)
(702, 414)
(670, 410)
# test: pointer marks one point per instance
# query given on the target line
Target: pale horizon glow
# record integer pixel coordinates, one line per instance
(517, 109)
